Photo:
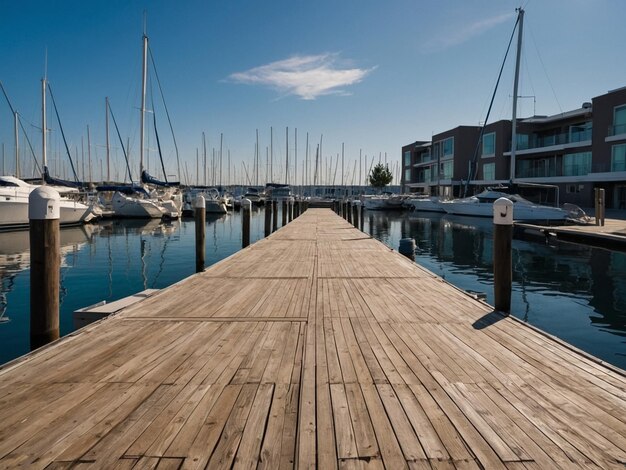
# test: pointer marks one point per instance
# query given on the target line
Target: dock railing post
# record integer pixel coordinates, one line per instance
(246, 209)
(268, 218)
(284, 214)
(502, 254)
(289, 211)
(274, 215)
(199, 206)
(349, 211)
(44, 214)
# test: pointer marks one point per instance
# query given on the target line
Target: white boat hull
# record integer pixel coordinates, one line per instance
(431, 204)
(520, 211)
(125, 206)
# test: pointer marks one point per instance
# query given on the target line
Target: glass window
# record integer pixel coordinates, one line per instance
(407, 175)
(523, 141)
(576, 164)
(447, 169)
(448, 147)
(489, 171)
(407, 158)
(618, 158)
(489, 144)
(619, 120)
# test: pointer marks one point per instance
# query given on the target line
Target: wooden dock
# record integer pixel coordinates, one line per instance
(316, 347)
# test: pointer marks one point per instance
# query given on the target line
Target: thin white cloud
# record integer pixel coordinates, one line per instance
(464, 34)
(308, 76)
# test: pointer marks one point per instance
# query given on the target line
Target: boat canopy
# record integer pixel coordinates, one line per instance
(124, 189)
(148, 179)
(59, 182)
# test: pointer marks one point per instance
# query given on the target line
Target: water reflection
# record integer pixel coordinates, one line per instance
(573, 291)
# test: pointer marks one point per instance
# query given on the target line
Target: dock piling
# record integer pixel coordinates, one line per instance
(200, 218)
(268, 218)
(599, 206)
(355, 213)
(274, 215)
(44, 213)
(502, 257)
(246, 209)
(407, 248)
(284, 211)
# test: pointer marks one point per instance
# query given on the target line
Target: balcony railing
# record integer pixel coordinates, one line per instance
(617, 130)
(527, 142)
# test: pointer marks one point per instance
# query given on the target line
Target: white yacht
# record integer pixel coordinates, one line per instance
(426, 204)
(481, 205)
(14, 194)
(382, 202)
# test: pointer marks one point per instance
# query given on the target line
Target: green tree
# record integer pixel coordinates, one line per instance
(380, 176)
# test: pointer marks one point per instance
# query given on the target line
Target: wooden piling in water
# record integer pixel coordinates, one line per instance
(274, 216)
(268, 218)
(246, 209)
(284, 213)
(45, 261)
(355, 214)
(502, 256)
(199, 206)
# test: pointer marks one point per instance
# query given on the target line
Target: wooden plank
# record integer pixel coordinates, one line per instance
(253, 434)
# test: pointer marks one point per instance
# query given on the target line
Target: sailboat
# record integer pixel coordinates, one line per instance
(481, 205)
(14, 192)
(135, 200)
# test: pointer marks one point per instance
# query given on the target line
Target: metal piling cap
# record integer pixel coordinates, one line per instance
(44, 203)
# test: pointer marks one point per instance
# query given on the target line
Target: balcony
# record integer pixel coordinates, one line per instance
(617, 130)
(533, 141)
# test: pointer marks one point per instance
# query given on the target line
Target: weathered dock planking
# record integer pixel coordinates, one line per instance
(316, 347)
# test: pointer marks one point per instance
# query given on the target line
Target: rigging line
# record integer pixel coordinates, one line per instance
(30, 146)
(167, 113)
(473, 166)
(119, 136)
(545, 71)
(56, 111)
(156, 134)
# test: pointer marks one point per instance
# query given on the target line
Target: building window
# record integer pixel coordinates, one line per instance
(489, 171)
(407, 175)
(580, 132)
(489, 144)
(447, 169)
(577, 164)
(619, 120)
(407, 158)
(448, 147)
(618, 158)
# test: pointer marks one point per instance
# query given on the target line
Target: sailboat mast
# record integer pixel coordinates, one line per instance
(89, 152)
(515, 93)
(106, 108)
(44, 124)
(144, 77)
(221, 148)
(17, 145)
(287, 155)
(271, 154)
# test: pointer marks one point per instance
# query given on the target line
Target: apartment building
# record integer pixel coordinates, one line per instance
(573, 152)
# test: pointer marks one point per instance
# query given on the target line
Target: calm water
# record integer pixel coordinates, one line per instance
(574, 292)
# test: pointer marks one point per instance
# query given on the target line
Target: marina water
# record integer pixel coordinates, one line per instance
(574, 292)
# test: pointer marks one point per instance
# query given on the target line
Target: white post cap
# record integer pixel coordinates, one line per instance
(246, 204)
(503, 212)
(199, 203)
(356, 203)
(44, 203)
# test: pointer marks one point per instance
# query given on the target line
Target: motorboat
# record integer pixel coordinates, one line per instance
(214, 203)
(425, 204)
(255, 196)
(14, 194)
(382, 202)
(279, 192)
(481, 205)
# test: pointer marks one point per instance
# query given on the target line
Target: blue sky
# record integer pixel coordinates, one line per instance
(373, 75)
